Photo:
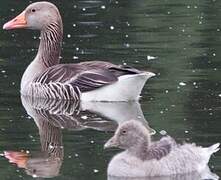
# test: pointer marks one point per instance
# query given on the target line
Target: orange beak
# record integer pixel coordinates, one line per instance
(18, 158)
(17, 22)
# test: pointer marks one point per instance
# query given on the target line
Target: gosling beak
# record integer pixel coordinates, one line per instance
(112, 142)
(18, 22)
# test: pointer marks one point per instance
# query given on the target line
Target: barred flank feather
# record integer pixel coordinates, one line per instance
(56, 91)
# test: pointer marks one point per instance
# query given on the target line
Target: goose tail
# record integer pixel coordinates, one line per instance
(214, 148)
(207, 174)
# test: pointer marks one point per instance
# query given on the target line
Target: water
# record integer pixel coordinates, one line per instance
(177, 40)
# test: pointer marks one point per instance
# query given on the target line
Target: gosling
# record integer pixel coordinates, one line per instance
(144, 158)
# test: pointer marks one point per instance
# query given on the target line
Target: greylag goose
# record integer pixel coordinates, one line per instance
(86, 81)
(143, 158)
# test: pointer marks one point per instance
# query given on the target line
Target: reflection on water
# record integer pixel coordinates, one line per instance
(81, 115)
(51, 116)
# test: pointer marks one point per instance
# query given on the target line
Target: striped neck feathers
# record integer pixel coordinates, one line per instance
(50, 44)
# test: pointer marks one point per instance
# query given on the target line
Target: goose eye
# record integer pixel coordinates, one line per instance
(124, 132)
(33, 10)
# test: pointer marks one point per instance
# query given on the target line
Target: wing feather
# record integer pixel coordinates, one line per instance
(85, 77)
(161, 148)
(90, 80)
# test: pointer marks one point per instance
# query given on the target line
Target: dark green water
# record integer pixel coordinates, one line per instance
(184, 99)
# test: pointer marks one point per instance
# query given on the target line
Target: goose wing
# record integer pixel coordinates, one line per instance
(86, 78)
(117, 70)
(92, 79)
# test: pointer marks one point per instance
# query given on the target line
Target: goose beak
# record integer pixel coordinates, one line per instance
(18, 158)
(112, 142)
(18, 22)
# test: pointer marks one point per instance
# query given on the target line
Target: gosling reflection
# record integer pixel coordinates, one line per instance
(51, 116)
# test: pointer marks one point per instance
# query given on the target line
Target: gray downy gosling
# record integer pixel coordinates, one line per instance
(144, 158)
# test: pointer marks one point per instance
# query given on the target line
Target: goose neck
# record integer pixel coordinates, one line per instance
(50, 44)
(140, 149)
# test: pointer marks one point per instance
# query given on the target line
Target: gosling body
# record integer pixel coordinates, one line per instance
(143, 158)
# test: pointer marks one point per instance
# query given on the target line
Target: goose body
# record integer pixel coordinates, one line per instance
(143, 158)
(86, 81)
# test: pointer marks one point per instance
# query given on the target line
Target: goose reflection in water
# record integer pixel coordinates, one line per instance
(48, 161)
(51, 116)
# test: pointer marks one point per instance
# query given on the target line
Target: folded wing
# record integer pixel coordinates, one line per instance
(161, 148)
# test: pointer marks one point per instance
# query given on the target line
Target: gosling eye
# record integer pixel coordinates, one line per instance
(33, 10)
(123, 132)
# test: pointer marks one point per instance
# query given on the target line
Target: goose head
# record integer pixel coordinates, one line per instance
(37, 16)
(129, 135)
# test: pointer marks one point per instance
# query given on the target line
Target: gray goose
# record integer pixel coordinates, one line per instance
(86, 81)
(145, 158)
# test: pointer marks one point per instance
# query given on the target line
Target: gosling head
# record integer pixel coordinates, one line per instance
(129, 135)
(36, 16)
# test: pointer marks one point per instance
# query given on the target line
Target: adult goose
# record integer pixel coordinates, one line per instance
(143, 158)
(86, 81)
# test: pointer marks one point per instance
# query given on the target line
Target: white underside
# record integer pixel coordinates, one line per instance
(127, 88)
